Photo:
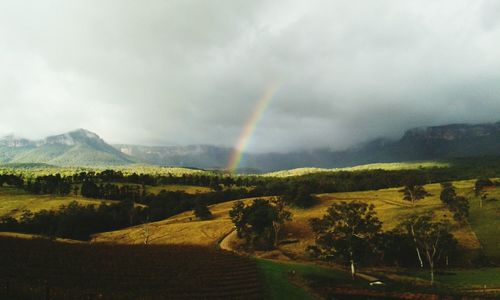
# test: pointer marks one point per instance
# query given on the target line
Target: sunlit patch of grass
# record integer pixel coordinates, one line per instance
(14, 201)
(377, 166)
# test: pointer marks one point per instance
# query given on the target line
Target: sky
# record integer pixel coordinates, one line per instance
(192, 72)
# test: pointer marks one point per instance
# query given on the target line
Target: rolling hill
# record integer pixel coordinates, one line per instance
(185, 229)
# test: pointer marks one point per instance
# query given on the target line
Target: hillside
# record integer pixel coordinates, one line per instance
(185, 229)
(75, 148)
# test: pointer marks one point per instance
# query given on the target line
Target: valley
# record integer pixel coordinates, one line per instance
(270, 150)
(477, 243)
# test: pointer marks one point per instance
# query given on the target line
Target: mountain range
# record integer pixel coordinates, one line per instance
(77, 148)
(84, 148)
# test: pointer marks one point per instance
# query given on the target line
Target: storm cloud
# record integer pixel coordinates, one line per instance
(190, 72)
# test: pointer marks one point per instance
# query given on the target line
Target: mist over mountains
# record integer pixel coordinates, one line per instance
(84, 148)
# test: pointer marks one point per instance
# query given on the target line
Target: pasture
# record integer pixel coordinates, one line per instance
(14, 201)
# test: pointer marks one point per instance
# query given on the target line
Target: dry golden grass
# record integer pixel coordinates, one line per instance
(14, 201)
(182, 229)
(390, 208)
(34, 236)
(375, 166)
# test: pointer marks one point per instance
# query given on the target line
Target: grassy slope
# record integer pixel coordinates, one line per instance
(389, 206)
(383, 166)
(279, 278)
(28, 236)
(468, 279)
(485, 223)
(180, 229)
(14, 201)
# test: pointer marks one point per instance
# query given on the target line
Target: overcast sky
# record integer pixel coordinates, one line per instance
(190, 72)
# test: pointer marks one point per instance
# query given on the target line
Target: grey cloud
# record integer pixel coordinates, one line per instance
(187, 72)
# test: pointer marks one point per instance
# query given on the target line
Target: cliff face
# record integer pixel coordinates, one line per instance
(453, 132)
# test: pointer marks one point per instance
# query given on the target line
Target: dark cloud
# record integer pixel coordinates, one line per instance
(187, 72)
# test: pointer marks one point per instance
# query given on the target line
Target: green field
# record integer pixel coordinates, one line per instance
(282, 283)
(466, 279)
(485, 222)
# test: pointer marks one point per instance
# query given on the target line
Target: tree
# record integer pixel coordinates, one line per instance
(259, 217)
(260, 222)
(202, 212)
(431, 238)
(347, 231)
(282, 216)
(414, 191)
(300, 196)
(480, 184)
(237, 215)
(460, 209)
(448, 193)
(458, 205)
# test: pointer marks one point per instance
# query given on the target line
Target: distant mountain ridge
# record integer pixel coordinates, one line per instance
(84, 148)
(76, 148)
(198, 156)
(423, 143)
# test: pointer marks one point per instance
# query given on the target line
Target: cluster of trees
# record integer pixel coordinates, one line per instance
(111, 191)
(414, 190)
(481, 184)
(260, 222)
(76, 221)
(299, 196)
(214, 181)
(50, 184)
(11, 179)
(352, 233)
(202, 212)
(458, 205)
(344, 181)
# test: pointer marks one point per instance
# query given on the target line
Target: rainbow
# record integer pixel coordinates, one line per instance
(250, 126)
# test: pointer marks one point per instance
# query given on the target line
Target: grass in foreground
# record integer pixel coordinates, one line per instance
(485, 222)
(281, 283)
(464, 279)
